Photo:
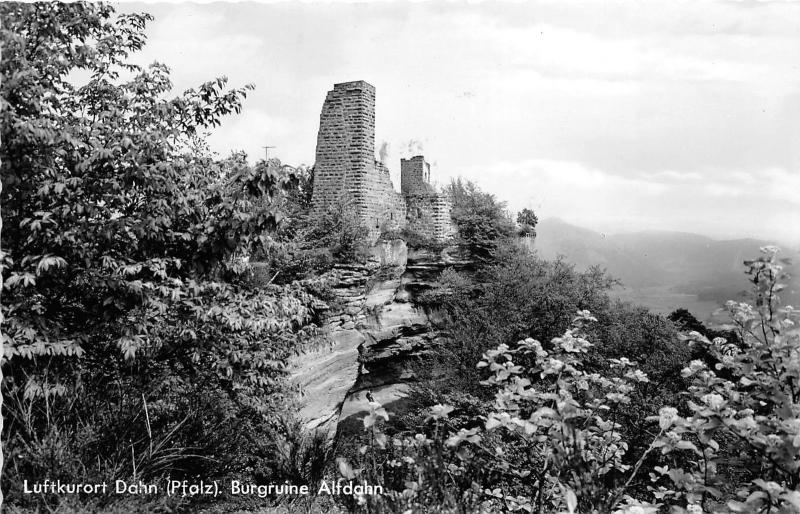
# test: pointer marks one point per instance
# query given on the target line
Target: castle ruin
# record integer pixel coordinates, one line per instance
(346, 167)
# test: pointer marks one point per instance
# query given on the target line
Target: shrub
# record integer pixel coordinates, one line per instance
(751, 395)
(337, 229)
(553, 441)
(550, 440)
(132, 345)
(481, 220)
(627, 331)
(414, 239)
(514, 297)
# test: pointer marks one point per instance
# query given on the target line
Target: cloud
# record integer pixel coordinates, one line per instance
(633, 114)
(721, 204)
(236, 133)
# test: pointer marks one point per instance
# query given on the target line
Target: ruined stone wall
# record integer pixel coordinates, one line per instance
(415, 176)
(346, 168)
(385, 207)
(429, 216)
(443, 227)
(345, 161)
(345, 157)
(427, 211)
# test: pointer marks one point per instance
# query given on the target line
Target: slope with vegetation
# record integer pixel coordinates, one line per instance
(153, 294)
(616, 414)
(138, 344)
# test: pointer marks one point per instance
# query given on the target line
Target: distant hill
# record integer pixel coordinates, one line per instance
(663, 270)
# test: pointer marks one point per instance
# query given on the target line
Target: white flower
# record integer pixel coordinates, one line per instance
(617, 398)
(463, 435)
(713, 400)
(666, 417)
(637, 375)
(694, 367)
(440, 411)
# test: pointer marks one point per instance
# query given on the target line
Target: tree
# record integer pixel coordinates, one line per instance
(527, 220)
(121, 237)
(481, 220)
(685, 320)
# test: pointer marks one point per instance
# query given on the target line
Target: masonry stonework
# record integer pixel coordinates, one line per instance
(346, 170)
(415, 176)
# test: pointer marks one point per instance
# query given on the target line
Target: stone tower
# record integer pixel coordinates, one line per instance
(427, 211)
(346, 169)
(345, 144)
(415, 176)
(345, 162)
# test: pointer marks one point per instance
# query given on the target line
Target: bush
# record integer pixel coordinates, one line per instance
(133, 345)
(552, 439)
(336, 230)
(516, 296)
(339, 228)
(521, 296)
(753, 397)
(284, 263)
(481, 220)
(414, 239)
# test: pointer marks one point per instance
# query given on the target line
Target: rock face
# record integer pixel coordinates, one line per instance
(324, 376)
(396, 332)
(326, 373)
(374, 333)
(391, 253)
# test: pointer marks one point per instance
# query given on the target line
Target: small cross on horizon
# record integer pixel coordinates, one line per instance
(266, 151)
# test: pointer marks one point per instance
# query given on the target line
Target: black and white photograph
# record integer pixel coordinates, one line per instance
(400, 257)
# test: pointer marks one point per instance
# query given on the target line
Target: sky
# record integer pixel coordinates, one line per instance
(616, 116)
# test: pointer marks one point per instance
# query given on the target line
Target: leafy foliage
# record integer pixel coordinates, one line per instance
(338, 228)
(311, 241)
(553, 439)
(515, 296)
(550, 442)
(527, 221)
(481, 220)
(132, 345)
(753, 395)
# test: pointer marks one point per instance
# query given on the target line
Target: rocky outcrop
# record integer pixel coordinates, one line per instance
(393, 252)
(324, 376)
(326, 372)
(375, 329)
(396, 332)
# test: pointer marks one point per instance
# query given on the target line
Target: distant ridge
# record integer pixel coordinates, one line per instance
(655, 265)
